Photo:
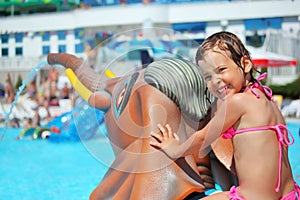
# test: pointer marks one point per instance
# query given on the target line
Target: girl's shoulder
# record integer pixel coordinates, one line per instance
(239, 101)
(239, 98)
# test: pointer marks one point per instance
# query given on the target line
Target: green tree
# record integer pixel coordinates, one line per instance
(18, 83)
(290, 90)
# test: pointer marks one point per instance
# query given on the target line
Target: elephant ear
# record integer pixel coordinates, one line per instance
(85, 74)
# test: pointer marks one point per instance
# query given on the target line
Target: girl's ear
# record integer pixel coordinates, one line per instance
(246, 64)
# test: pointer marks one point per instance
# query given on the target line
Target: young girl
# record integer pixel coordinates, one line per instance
(246, 114)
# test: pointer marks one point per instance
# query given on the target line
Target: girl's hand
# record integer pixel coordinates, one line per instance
(166, 140)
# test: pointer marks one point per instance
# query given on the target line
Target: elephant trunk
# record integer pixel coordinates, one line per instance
(86, 75)
(67, 60)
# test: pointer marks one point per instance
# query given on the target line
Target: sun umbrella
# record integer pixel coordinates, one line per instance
(262, 58)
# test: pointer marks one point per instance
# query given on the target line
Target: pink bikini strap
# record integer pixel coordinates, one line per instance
(265, 89)
(283, 140)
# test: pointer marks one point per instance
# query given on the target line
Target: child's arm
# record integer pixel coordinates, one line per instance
(228, 113)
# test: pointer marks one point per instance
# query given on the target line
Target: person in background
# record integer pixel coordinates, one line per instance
(247, 115)
(32, 90)
(9, 90)
(53, 74)
(65, 91)
(54, 93)
(36, 121)
(28, 123)
(2, 91)
(44, 95)
(15, 122)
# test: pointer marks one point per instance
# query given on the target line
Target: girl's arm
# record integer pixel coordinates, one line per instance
(228, 113)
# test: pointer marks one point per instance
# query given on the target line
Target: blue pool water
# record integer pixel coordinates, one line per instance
(46, 170)
(40, 169)
(294, 150)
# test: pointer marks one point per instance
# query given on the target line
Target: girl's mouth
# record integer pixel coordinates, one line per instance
(223, 90)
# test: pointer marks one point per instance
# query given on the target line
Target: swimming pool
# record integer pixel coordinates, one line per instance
(46, 170)
(39, 169)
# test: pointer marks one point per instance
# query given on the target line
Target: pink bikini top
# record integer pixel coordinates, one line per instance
(281, 130)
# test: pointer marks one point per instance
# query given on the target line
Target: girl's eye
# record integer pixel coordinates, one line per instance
(220, 70)
(207, 78)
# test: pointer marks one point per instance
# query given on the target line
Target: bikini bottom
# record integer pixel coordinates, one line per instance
(293, 195)
(233, 194)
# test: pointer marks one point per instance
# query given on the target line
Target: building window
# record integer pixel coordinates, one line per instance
(4, 38)
(78, 33)
(19, 37)
(256, 29)
(79, 48)
(19, 51)
(61, 35)
(4, 51)
(191, 27)
(46, 36)
(46, 50)
(62, 48)
(263, 23)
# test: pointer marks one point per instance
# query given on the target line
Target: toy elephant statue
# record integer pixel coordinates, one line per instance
(167, 91)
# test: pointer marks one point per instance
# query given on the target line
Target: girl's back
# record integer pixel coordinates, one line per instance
(254, 150)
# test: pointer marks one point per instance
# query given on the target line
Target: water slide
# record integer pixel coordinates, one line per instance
(81, 123)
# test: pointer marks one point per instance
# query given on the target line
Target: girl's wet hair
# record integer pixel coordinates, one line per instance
(228, 42)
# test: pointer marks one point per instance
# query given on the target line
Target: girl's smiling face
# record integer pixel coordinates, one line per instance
(222, 75)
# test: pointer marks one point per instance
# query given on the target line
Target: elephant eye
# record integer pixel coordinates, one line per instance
(120, 97)
(119, 101)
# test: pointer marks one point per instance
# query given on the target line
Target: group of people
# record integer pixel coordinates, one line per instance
(245, 113)
(45, 94)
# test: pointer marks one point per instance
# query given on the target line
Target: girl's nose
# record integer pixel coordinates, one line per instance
(216, 79)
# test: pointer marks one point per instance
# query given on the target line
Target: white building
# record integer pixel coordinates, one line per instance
(27, 39)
